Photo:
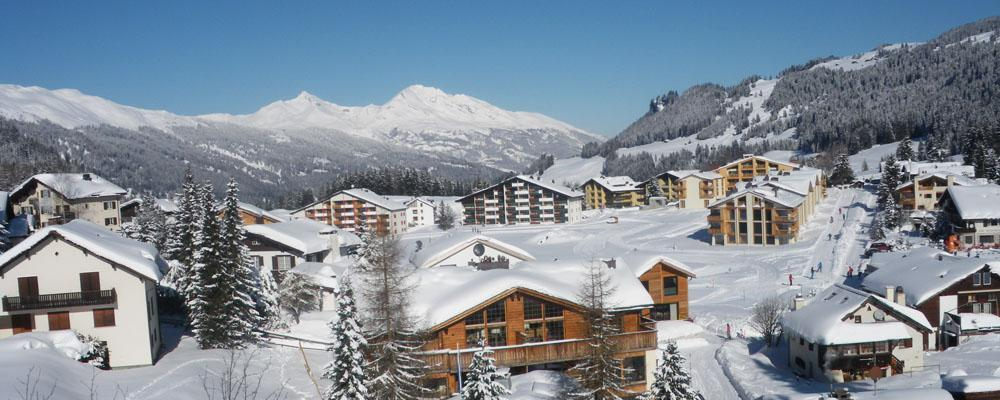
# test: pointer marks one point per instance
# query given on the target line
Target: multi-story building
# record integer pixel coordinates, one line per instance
(522, 200)
(281, 246)
(252, 215)
(347, 209)
(844, 334)
(665, 279)
(529, 316)
(974, 213)
(767, 211)
(52, 199)
(420, 211)
(612, 192)
(922, 192)
(79, 276)
(750, 167)
(689, 188)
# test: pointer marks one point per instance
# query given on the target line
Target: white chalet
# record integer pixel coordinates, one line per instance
(52, 199)
(974, 213)
(281, 246)
(82, 277)
(468, 249)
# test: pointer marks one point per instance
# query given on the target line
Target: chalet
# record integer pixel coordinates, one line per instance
(522, 200)
(468, 249)
(842, 334)
(324, 277)
(130, 208)
(52, 199)
(689, 188)
(922, 192)
(281, 246)
(252, 215)
(974, 213)
(750, 167)
(935, 283)
(82, 277)
(666, 281)
(529, 315)
(347, 209)
(612, 192)
(767, 211)
(958, 327)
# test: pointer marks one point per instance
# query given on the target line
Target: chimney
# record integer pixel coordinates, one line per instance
(86, 177)
(951, 180)
(890, 293)
(900, 296)
(799, 302)
(611, 263)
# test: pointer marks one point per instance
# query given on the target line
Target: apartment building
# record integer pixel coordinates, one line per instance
(348, 209)
(612, 192)
(53, 199)
(522, 200)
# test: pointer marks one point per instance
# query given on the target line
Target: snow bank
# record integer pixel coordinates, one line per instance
(673, 330)
(905, 394)
(61, 342)
(48, 361)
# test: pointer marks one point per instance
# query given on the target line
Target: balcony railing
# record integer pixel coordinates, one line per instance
(538, 353)
(59, 300)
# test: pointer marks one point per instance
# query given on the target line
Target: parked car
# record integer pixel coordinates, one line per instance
(877, 247)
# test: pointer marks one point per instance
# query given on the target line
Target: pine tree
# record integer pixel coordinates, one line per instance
(842, 173)
(203, 295)
(905, 149)
(484, 381)
(936, 150)
(992, 163)
(394, 370)
(877, 230)
(671, 380)
(600, 374)
(653, 188)
(240, 282)
(892, 214)
(445, 216)
(183, 233)
(297, 294)
(268, 305)
(149, 224)
(348, 348)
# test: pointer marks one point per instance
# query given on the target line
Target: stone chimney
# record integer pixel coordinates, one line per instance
(951, 180)
(890, 293)
(900, 296)
(799, 302)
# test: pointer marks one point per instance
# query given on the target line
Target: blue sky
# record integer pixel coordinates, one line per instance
(592, 64)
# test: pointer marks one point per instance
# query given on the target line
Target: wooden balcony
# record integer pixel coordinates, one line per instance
(443, 361)
(59, 300)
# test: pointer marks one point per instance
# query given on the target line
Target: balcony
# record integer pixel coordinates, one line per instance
(538, 353)
(59, 300)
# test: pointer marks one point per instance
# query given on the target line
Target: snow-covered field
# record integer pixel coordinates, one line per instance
(573, 171)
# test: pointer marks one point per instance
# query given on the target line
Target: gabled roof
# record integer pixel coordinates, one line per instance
(975, 202)
(140, 258)
(322, 274)
(445, 294)
(801, 180)
(364, 195)
(767, 191)
(925, 167)
(303, 235)
(253, 210)
(165, 205)
(72, 186)
(448, 246)
(749, 156)
(616, 183)
(923, 272)
(960, 180)
(641, 262)
(703, 175)
(550, 186)
(822, 321)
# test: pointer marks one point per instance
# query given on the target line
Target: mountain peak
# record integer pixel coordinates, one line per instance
(305, 96)
(420, 91)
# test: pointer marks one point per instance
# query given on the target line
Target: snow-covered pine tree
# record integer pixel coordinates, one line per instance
(892, 213)
(992, 163)
(395, 373)
(268, 305)
(842, 173)
(347, 368)
(445, 216)
(241, 283)
(483, 380)
(877, 229)
(363, 254)
(149, 224)
(180, 246)
(297, 294)
(904, 152)
(936, 150)
(671, 380)
(204, 297)
(600, 374)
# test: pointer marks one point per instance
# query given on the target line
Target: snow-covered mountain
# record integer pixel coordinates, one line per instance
(422, 118)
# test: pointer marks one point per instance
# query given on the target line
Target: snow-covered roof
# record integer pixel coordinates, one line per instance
(822, 320)
(640, 262)
(373, 198)
(304, 235)
(976, 202)
(749, 156)
(979, 321)
(924, 167)
(962, 383)
(768, 191)
(282, 214)
(449, 245)
(923, 272)
(799, 181)
(547, 185)
(444, 293)
(165, 205)
(74, 186)
(960, 180)
(703, 175)
(253, 210)
(141, 258)
(904, 394)
(617, 183)
(322, 274)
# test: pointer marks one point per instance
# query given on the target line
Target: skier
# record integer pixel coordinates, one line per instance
(850, 272)
(820, 267)
(812, 273)
(789, 280)
(831, 219)
(829, 236)
(729, 332)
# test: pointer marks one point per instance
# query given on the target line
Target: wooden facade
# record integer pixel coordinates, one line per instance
(527, 330)
(750, 167)
(668, 287)
(597, 196)
(348, 211)
(690, 189)
(923, 192)
(972, 296)
(521, 201)
(753, 219)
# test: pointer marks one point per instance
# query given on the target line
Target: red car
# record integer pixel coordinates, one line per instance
(877, 247)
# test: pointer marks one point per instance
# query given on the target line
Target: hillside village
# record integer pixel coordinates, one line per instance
(764, 274)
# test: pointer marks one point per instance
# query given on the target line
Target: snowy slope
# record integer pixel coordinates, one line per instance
(573, 171)
(863, 60)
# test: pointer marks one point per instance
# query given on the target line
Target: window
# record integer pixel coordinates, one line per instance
(670, 286)
(635, 369)
(986, 239)
(865, 348)
(810, 347)
(104, 317)
(987, 278)
(645, 284)
(977, 279)
(849, 350)
(258, 261)
(58, 320)
(552, 311)
(857, 319)
(473, 336)
(497, 336)
(110, 221)
(474, 319)
(554, 330)
(532, 308)
(283, 263)
(110, 205)
(496, 312)
(905, 343)
(882, 347)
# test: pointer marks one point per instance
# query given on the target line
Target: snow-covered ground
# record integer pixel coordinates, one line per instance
(573, 171)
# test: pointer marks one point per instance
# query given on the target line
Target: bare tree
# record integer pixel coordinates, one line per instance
(600, 373)
(766, 318)
(239, 378)
(28, 387)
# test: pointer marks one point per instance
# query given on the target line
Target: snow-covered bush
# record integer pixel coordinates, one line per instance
(95, 353)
